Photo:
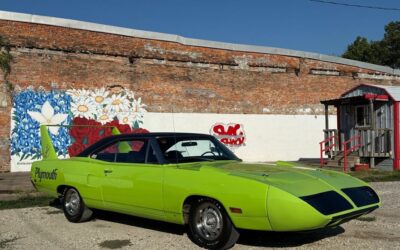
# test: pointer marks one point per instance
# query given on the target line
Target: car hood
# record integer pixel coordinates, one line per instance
(297, 180)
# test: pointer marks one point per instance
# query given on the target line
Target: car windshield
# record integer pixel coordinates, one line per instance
(179, 149)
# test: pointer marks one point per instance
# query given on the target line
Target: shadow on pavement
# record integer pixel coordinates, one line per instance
(139, 222)
(289, 239)
(247, 237)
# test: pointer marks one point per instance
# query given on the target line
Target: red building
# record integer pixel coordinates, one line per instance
(368, 128)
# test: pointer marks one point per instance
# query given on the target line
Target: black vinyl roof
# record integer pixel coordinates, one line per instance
(112, 138)
(159, 134)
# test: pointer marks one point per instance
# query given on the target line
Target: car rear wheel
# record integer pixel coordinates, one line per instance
(74, 207)
(209, 226)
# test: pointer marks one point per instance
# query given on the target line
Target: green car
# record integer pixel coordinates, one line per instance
(194, 180)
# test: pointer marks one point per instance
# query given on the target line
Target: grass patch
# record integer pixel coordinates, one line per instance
(115, 244)
(371, 175)
(26, 201)
(6, 242)
(366, 218)
(54, 212)
(376, 175)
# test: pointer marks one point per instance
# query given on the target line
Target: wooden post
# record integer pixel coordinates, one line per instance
(326, 117)
(372, 122)
(338, 140)
(396, 136)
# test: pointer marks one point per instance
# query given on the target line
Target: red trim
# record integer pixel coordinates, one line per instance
(357, 141)
(354, 88)
(371, 96)
(368, 85)
(396, 135)
(330, 141)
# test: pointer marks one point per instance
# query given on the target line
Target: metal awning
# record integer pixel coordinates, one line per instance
(363, 99)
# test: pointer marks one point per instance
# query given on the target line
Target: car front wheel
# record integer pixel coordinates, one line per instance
(209, 225)
(74, 207)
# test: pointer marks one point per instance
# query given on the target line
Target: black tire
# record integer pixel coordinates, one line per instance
(74, 207)
(209, 225)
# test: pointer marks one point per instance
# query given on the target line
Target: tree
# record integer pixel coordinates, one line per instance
(392, 44)
(382, 52)
(360, 50)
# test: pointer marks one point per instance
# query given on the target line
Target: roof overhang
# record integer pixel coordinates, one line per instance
(382, 87)
(354, 100)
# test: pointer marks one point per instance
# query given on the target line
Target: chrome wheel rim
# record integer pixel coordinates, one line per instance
(209, 221)
(72, 202)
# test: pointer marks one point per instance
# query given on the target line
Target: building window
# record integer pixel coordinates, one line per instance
(363, 118)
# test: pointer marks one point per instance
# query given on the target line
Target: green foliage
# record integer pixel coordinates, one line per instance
(26, 201)
(374, 175)
(5, 62)
(5, 58)
(382, 52)
(392, 43)
(360, 49)
(366, 218)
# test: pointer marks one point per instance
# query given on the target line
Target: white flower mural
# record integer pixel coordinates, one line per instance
(100, 96)
(130, 94)
(107, 104)
(118, 103)
(138, 109)
(138, 106)
(83, 107)
(47, 117)
(78, 94)
(126, 118)
(105, 116)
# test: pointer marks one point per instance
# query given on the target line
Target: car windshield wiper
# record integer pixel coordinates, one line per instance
(201, 158)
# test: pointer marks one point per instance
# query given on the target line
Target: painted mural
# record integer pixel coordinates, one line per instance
(96, 109)
(231, 134)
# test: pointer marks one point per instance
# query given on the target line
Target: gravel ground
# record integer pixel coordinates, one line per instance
(46, 228)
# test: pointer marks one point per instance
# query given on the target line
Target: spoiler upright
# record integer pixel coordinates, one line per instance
(48, 151)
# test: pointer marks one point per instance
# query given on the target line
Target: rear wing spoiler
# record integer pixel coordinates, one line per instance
(48, 151)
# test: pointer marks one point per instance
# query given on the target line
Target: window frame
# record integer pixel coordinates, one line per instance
(366, 118)
(216, 142)
(150, 143)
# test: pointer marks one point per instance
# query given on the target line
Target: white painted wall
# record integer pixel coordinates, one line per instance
(268, 137)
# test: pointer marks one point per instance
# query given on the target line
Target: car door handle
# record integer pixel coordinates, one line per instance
(107, 171)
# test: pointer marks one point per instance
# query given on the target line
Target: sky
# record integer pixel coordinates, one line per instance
(291, 24)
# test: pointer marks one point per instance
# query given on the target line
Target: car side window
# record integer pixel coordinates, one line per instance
(128, 151)
(151, 156)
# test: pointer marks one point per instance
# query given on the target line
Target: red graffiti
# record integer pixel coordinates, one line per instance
(230, 134)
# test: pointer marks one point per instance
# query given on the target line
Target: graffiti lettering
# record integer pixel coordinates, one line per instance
(231, 130)
(45, 175)
(231, 134)
(233, 141)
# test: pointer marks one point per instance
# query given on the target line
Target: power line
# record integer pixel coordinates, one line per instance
(356, 5)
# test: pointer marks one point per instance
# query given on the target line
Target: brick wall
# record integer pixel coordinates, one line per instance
(171, 76)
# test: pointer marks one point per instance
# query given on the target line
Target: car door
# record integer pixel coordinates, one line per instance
(92, 191)
(133, 178)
